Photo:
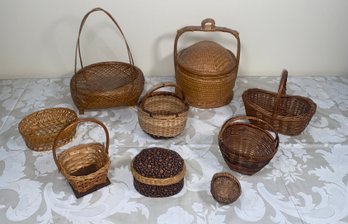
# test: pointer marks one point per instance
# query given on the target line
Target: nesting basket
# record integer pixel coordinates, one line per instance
(225, 188)
(206, 71)
(288, 115)
(85, 166)
(40, 128)
(163, 114)
(105, 84)
(247, 148)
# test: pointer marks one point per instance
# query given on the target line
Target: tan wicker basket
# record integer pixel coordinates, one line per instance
(225, 188)
(163, 114)
(206, 71)
(86, 165)
(40, 128)
(288, 115)
(245, 147)
(105, 84)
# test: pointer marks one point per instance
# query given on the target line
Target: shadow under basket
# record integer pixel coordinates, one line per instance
(245, 147)
(225, 188)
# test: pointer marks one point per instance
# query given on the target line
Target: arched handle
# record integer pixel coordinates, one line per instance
(71, 125)
(281, 92)
(239, 118)
(207, 25)
(78, 51)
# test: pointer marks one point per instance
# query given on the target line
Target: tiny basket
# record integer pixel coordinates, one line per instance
(163, 114)
(288, 115)
(40, 128)
(247, 148)
(85, 166)
(105, 84)
(225, 188)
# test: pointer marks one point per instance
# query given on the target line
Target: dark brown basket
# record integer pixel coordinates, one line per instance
(288, 115)
(206, 71)
(86, 165)
(225, 188)
(247, 148)
(40, 128)
(163, 114)
(105, 84)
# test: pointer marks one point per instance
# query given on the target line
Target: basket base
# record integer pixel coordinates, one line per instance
(95, 188)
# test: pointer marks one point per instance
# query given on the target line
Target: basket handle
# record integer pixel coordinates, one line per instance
(78, 50)
(238, 118)
(207, 25)
(151, 91)
(71, 126)
(281, 92)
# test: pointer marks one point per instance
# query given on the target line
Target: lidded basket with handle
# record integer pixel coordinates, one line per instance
(206, 71)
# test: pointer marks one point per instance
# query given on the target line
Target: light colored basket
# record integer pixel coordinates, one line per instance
(163, 114)
(40, 128)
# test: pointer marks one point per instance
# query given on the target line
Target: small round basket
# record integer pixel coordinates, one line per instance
(225, 188)
(158, 172)
(40, 128)
(163, 114)
(86, 165)
(247, 148)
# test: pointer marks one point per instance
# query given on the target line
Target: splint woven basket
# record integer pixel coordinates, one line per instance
(105, 84)
(288, 115)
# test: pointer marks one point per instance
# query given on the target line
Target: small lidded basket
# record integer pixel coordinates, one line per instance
(158, 172)
(225, 188)
(206, 71)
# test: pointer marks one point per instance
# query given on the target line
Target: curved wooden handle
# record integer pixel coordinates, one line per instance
(75, 124)
(239, 118)
(281, 92)
(207, 25)
(78, 51)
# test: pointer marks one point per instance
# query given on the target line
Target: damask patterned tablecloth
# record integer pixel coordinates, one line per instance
(306, 181)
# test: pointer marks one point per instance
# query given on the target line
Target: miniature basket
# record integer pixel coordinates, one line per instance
(206, 71)
(158, 172)
(288, 115)
(40, 128)
(225, 188)
(105, 84)
(163, 114)
(86, 165)
(247, 148)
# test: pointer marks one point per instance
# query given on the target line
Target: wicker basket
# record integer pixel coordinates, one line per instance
(105, 84)
(247, 148)
(163, 114)
(158, 172)
(288, 115)
(206, 71)
(40, 128)
(225, 188)
(86, 165)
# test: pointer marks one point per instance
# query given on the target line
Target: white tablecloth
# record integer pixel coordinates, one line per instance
(306, 181)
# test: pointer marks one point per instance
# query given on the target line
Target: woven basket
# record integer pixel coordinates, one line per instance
(288, 115)
(247, 148)
(225, 188)
(86, 165)
(40, 128)
(105, 84)
(206, 71)
(163, 114)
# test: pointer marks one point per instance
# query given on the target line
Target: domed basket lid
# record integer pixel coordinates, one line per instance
(207, 58)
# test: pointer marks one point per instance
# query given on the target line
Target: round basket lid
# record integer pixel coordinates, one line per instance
(206, 58)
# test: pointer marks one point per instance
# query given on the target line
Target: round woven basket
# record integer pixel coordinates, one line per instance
(206, 71)
(105, 84)
(288, 115)
(163, 114)
(40, 128)
(225, 188)
(86, 165)
(247, 148)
